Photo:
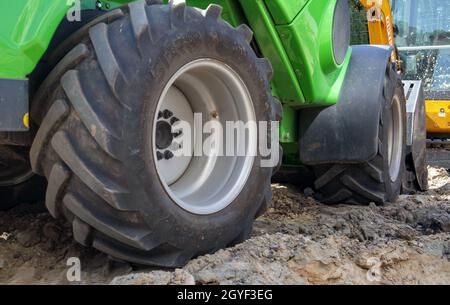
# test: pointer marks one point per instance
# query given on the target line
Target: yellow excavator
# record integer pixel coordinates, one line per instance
(422, 35)
(419, 33)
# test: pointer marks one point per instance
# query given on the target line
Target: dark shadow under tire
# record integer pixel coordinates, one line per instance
(18, 184)
(94, 142)
(371, 181)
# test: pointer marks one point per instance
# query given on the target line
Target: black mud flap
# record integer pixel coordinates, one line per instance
(13, 105)
(348, 131)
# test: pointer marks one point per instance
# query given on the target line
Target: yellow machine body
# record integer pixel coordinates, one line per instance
(381, 31)
(438, 116)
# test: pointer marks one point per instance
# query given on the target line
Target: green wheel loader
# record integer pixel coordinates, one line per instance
(91, 93)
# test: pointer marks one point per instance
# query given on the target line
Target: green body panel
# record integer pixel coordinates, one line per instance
(288, 132)
(284, 83)
(255, 13)
(291, 153)
(26, 30)
(282, 11)
(27, 27)
(105, 4)
(308, 43)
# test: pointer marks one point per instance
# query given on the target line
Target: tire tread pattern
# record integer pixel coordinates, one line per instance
(74, 142)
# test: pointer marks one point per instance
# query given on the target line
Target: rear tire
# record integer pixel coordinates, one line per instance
(95, 143)
(380, 179)
(18, 184)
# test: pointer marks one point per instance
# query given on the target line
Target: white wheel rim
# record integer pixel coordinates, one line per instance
(204, 185)
(395, 140)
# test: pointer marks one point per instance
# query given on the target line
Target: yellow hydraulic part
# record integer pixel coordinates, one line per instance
(26, 120)
(380, 23)
(438, 116)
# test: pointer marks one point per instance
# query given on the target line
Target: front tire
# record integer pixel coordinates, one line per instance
(96, 144)
(380, 179)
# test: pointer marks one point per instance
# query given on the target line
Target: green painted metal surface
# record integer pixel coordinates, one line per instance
(255, 13)
(308, 43)
(282, 11)
(104, 4)
(288, 132)
(27, 27)
(291, 155)
(26, 30)
(285, 83)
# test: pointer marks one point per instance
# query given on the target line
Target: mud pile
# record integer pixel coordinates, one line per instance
(298, 241)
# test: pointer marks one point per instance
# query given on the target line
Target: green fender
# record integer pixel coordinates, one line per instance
(27, 27)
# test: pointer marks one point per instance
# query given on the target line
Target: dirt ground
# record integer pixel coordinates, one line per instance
(298, 241)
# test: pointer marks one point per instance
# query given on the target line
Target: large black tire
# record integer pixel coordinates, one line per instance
(370, 181)
(93, 142)
(18, 184)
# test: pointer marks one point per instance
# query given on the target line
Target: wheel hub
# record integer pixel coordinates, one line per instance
(164, 135)
(207, 183)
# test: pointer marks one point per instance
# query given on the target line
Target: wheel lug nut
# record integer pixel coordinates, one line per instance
(174, 120)
(175, 146)
(176, 134)
(167, 114)
(159, 155)
(160, 115)
(168, 155)
(215, 115)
